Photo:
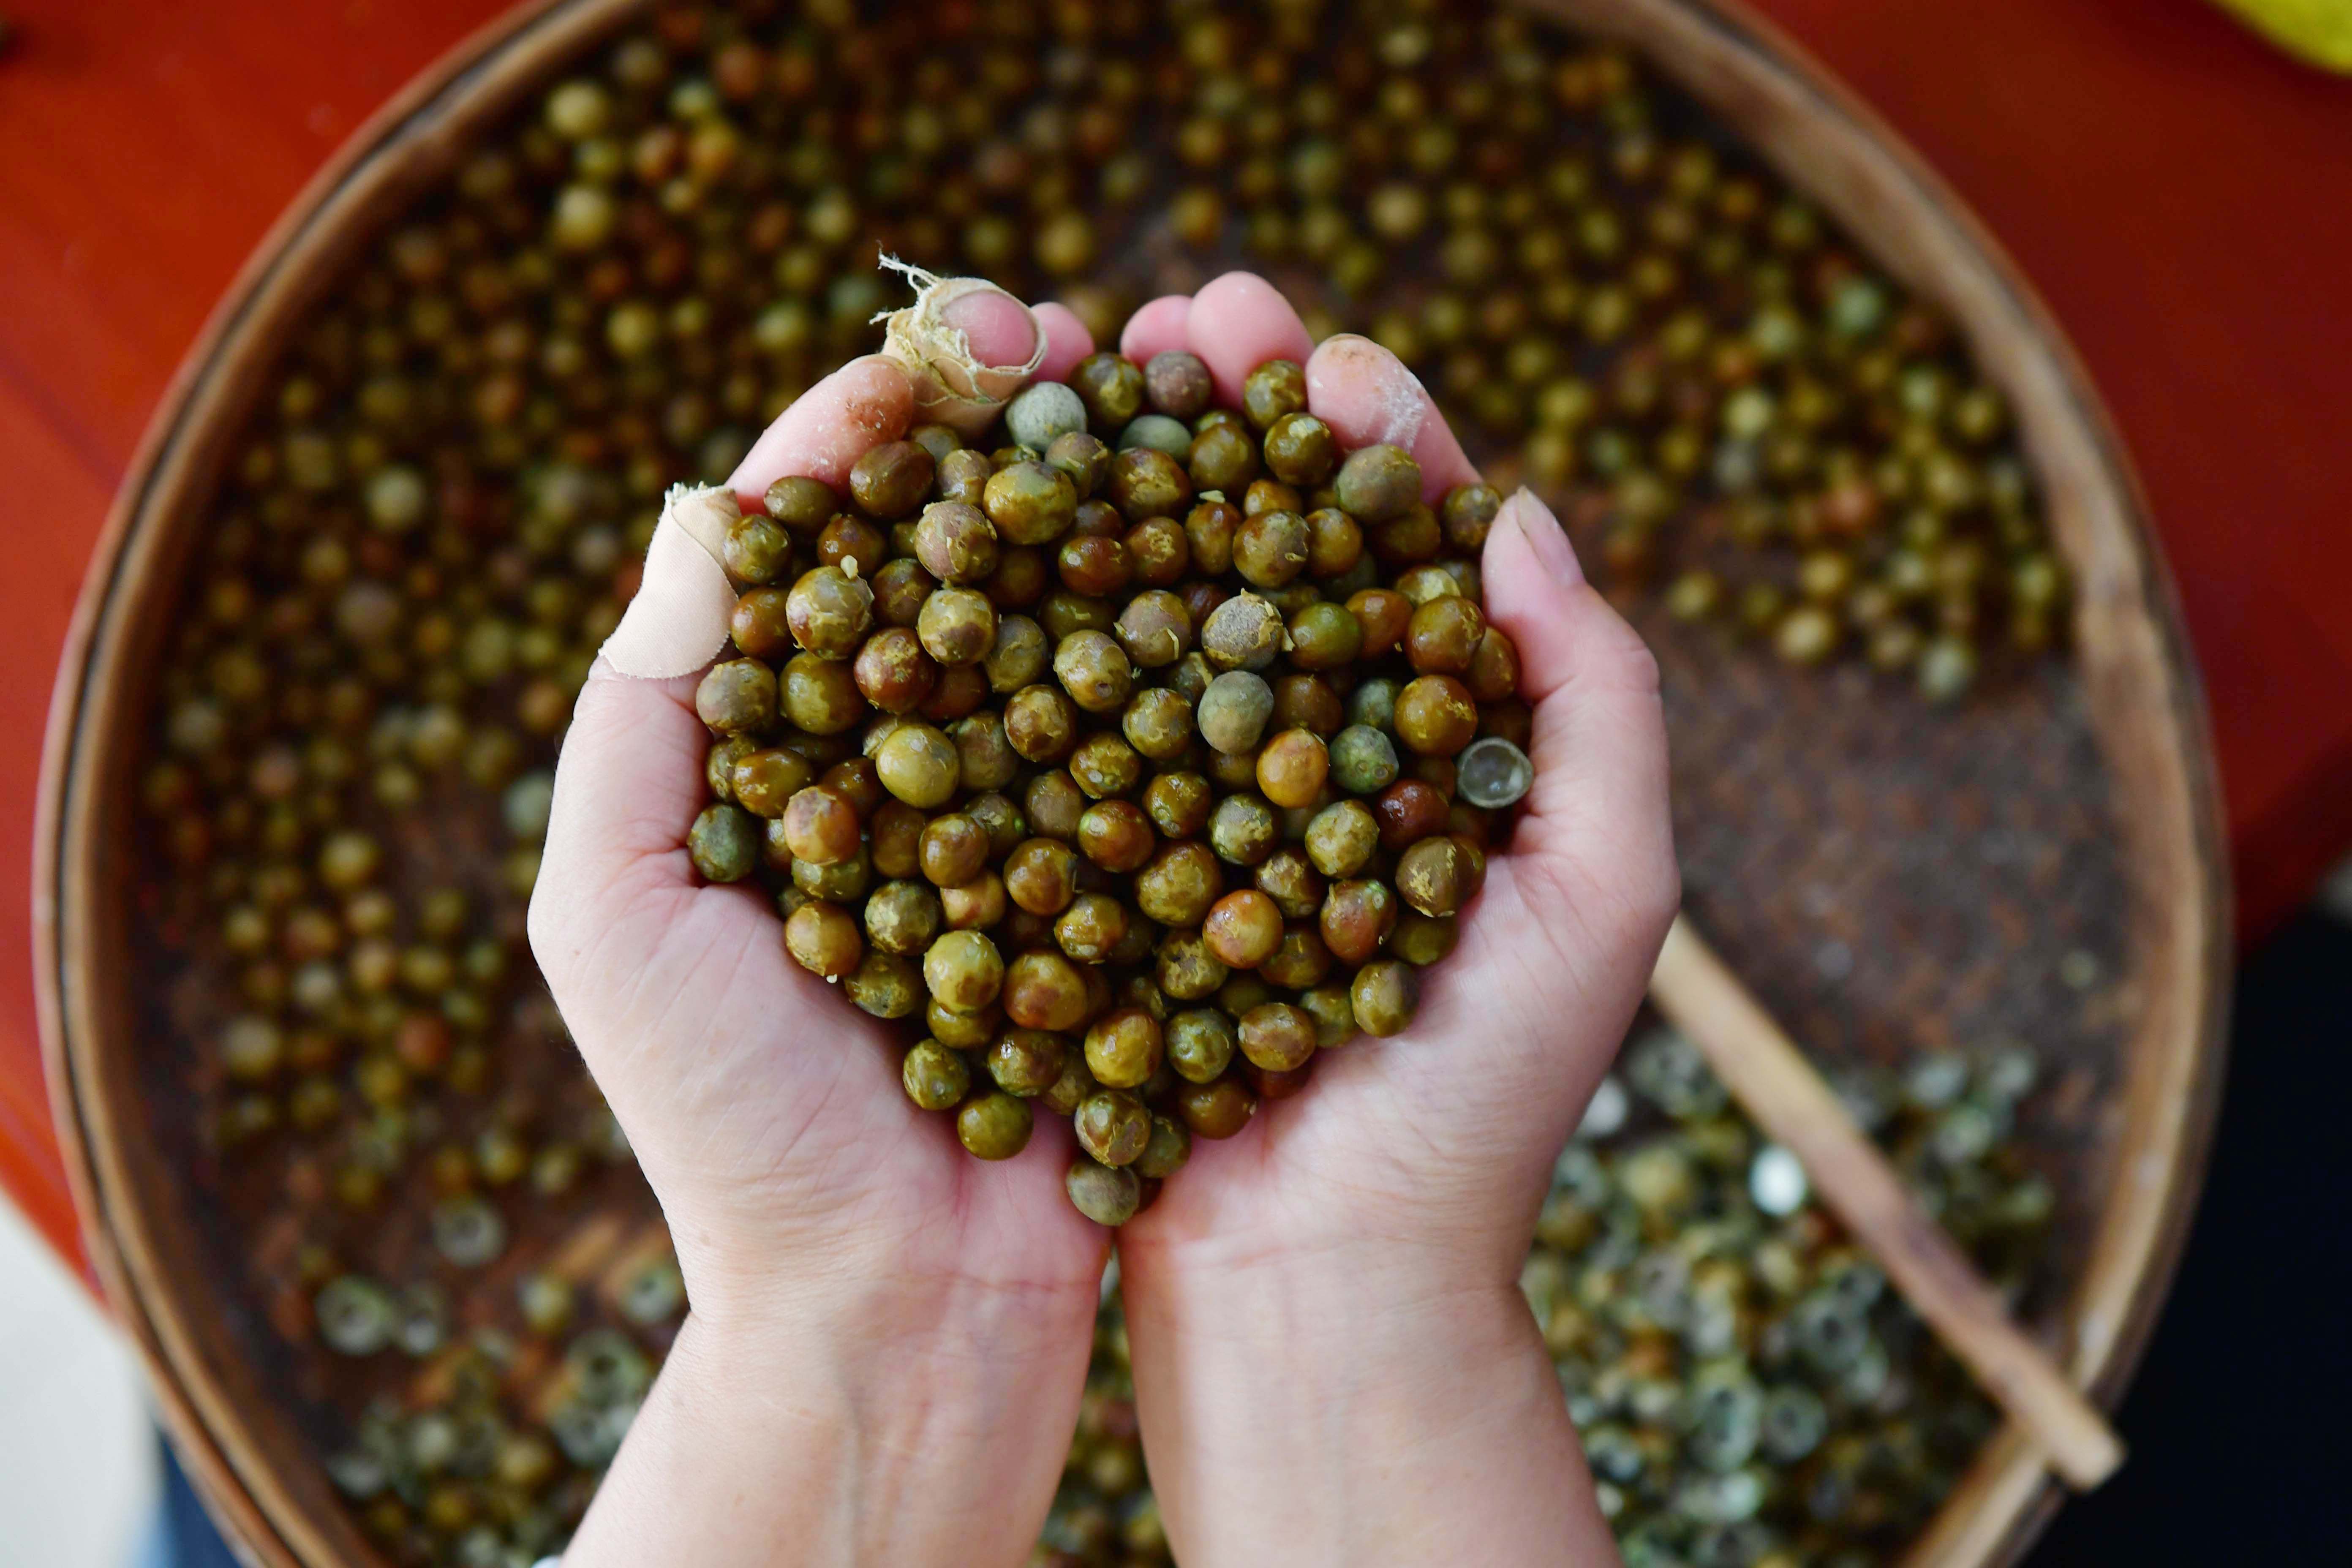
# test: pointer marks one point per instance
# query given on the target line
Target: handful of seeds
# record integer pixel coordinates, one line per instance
(1140, 756)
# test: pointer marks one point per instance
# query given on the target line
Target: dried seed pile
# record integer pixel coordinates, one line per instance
(1143, 756)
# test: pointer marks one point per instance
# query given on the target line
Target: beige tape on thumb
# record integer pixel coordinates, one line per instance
(951, 386)
(678, 621)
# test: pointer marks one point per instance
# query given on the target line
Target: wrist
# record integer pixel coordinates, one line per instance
(860, 1427)
(1389, 1412)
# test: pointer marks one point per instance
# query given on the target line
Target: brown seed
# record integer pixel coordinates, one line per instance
(763, 782)
(1123, 1047)
(851, 544)
(1024, 1062)
(1179, 884)
(1112, 1126)
(762, 626)
(1054, 804)
(822, 939)
(829, 611)
(1290, 879)
(1030, 503)
(1092, 928)
(1222, 458)
(961, 689)
(962, 1031)
(1436, 716)
(1104, 765)
(1160, 552)
(1243, 929)
(1291, 768)
(1179, 805)
(1116, 836)
(994, 1126)
(1444, 635)
(891, 479)
(956, 542)
(1147, 483)
(1335, 542)
(1272, 1085)
(893, 672)
(1357, 918)
(1020, 579)
(859, 780)
(820, 695)
(1155, 629)
(954, 849)
(903, 917)
(958, 627)
(962, 475)
(1044, 991)
(1104, 1194)
(1301, 962)
(1384, 614)
(1218, 1110)
(1095, 567)
(1439, 875)
(894, 840)
(1040, 723)
(1159, 723)
(1041, 876)
(802, 505)
(975, 905)
(1277, 1037)
(1494, 673)
(1306, 702)
(1408, 811)
(737, 697)
(819, 826)
(1385, 995)
(1177, 384)
(1094, 670)
(900, 586)
(1270, 549)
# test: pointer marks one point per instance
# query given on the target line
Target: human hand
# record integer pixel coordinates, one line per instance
(888, 1338)
(1323, 1311)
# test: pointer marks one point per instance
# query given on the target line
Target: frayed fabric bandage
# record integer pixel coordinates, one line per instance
(678, 621)
(951, 387)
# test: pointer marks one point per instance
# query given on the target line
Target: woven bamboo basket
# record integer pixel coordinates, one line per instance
(1784, 780)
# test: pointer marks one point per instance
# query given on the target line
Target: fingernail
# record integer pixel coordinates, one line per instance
(1545, 536)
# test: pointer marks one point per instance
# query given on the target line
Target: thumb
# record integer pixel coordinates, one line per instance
(1599, 807)
(630, 778)
(1571, 918)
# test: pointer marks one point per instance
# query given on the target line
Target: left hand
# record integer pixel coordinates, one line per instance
(887, 1338)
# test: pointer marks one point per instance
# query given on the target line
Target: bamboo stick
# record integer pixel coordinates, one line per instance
(1770, 1078)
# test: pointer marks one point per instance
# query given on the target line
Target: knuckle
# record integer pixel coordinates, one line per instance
(1636, 663)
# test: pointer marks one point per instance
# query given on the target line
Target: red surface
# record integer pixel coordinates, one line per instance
(2180, 193)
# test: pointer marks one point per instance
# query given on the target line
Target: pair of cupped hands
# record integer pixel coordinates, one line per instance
(888, 1339)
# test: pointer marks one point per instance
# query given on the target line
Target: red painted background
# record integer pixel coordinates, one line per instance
(2181, 195)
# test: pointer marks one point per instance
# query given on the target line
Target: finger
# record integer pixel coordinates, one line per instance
(1066, 340)
(1367, 398)
(828, 427)
(628, 784)
(997, 329)
(1599, 741)
(1237, 323)
(1156, 329)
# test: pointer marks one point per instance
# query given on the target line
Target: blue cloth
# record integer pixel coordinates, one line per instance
(183, 1536)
